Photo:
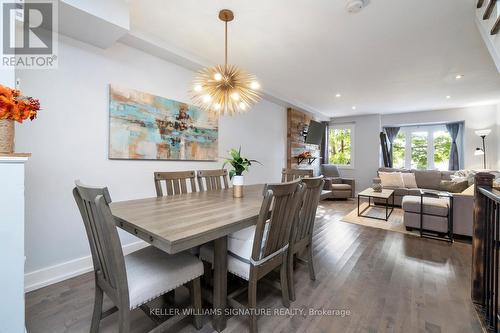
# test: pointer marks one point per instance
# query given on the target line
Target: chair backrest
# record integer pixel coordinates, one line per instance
(285, 200)
(214, 179)
(305, 223)
(105, 245)
(330, 170)
(287, 175)
(176, 182)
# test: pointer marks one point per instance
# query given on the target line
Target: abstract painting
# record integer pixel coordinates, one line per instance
(148, 127)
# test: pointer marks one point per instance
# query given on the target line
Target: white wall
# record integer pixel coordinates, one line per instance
(478, 117)
(69, 141)
(366, 149)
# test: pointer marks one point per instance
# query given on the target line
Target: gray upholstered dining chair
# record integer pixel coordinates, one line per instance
(133, 280)
(288, 175)
(210, 180)
(301, 237)
(257, 250)
(341, 187)
(176, 182)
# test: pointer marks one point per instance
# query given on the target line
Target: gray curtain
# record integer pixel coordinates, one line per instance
(391, 133)
(453, 129)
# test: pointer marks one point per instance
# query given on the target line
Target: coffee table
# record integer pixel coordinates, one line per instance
(384, 195)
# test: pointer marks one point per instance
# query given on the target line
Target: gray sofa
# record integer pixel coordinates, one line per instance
(426, 179)
(463, 201)
(340, 187)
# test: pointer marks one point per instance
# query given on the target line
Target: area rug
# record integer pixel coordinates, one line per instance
(395, 222)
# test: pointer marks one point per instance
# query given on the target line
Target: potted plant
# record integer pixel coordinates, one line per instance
(14, 107)
(239, 165)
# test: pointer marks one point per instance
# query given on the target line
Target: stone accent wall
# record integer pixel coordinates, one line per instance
(296, 121)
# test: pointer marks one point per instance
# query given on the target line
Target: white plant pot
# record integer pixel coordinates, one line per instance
(238, 180)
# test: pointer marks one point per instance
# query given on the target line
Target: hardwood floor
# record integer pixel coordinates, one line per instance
(386, 281)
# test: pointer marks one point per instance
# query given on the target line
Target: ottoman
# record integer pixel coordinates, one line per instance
(435, 211)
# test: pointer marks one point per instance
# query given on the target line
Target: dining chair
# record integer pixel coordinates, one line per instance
(301, 236)
(210, 180)
(133, 280)
(255, 251)
(176, 182)
(288, 175)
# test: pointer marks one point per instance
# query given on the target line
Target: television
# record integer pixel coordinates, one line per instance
(315, 133)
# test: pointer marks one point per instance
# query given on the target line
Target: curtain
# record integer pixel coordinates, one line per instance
(453, 129)
(391, 133)
(385, 150)
(324, 144)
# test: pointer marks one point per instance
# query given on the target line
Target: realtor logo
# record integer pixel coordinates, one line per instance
(29, 37)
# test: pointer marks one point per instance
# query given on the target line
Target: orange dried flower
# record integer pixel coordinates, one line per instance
(13, 106)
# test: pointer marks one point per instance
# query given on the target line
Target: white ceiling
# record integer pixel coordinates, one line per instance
(394, 56)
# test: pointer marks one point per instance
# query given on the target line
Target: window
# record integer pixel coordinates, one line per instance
(340, 145)
(399, 150)
(423, 147)
(419, 150)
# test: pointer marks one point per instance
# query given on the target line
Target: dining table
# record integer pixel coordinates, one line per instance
(181, 222)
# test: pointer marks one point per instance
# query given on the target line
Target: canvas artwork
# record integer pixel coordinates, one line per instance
(149, 127)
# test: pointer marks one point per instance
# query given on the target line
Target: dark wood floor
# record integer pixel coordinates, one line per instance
(389, 282)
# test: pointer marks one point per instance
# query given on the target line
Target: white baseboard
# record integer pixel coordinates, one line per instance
(60, 272)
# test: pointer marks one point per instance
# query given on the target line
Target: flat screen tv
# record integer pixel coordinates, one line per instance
(315, 133)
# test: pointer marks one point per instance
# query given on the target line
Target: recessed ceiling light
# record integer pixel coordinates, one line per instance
(459, 76)
(448, 97)
(354, 108)
(338, 95)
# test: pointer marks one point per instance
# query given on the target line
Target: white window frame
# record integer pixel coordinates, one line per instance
(352, 128)
(430, 129)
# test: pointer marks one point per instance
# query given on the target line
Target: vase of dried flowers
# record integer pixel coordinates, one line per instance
(14, 107)
(6, 136)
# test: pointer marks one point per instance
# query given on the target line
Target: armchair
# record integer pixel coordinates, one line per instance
(342, 188)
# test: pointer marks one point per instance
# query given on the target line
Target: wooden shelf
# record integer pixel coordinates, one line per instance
(310, 160)
(15, 155)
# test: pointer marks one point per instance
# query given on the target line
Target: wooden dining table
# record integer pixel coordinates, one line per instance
(181, 222)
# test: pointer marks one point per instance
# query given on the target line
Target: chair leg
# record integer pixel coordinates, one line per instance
(124, 320)
(195, 291)
(310, 263)
(96, 316)
(207, 273)
(291, 285)
(284, 283)
(252, 304)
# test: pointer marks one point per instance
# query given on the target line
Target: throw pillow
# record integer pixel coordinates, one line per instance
(391, 179)
(409, 180)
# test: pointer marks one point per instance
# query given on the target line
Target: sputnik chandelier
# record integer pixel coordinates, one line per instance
(225, 89)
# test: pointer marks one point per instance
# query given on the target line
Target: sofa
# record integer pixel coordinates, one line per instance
(340, 187)
(463, 200)
(426, 179)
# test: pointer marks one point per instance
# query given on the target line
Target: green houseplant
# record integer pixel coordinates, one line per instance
(239, 165)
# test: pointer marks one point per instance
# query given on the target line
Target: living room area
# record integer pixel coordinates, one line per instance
(234, 166)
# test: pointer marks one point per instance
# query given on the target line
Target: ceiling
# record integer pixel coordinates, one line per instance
(393, 56)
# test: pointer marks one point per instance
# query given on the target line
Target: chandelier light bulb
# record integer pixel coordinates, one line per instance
(255, 85)
(243, 106)
(218, 76)
(235, 96)
(217, 106)
(207, 98)
(197, 88)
